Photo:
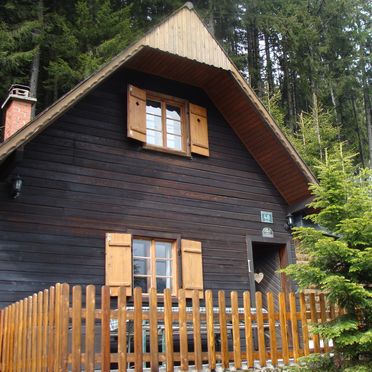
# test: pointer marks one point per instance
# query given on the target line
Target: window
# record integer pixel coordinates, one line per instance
(166, 123)
(154, 265)
(133, 261)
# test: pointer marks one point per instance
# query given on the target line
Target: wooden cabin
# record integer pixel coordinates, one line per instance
(163, 169)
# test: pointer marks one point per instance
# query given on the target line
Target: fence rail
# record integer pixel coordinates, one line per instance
(56, 330)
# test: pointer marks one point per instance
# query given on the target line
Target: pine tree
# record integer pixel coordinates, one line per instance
(340, 257)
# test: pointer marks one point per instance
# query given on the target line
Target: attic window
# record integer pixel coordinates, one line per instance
(167, 123)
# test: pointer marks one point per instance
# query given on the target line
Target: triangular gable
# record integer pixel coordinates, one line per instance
(186, 36)
(181, 48)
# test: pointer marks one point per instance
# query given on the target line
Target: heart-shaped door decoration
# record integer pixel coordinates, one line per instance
(258, 277)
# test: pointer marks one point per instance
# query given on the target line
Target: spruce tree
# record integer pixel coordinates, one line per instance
(340, 257)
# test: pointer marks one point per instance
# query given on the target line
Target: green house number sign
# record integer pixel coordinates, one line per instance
(266, 217)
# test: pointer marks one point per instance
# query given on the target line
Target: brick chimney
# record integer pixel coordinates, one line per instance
(17, 109)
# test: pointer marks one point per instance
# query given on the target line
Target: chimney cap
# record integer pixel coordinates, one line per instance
(20, 92)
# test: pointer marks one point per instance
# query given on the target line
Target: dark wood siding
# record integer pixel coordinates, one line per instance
(83, 178)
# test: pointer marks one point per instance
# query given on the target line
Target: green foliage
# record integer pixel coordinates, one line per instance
(340, 256)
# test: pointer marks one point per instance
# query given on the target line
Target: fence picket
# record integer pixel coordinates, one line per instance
(183, 330)
(11, 339)
(272, 331)
(34, 332)
(76, 329)
(138, 329)
(154, 354)
(223, 329)
(24, 336)
(323, 318)
(122, 330)
(283, 327)
(57, 332)
(51, 329)
(305, 332)
(260, 330)
(65, 303)
(29, 333)
(2, 328)
(19, 336)
(248, 329)
(168, 324)
(39, 354)
(16, 337)
(314, 320)
(236, 329)
(45, 330)
(90, 320)
(294, 327)
(6, 340)
(210, 330)
(105, 329)
(196, 329)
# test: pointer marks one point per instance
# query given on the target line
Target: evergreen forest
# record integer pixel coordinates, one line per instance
(308, 60)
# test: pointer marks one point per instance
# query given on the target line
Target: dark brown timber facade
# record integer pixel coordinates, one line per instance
(83, 177)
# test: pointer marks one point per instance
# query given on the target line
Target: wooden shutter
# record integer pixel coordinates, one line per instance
(119, 262)
(192, 267)
(199, 130)
(136, 125)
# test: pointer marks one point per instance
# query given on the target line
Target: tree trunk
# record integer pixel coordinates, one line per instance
(358, 131)
(367, 105)
(269, 66)
(254, 63)
(367, 109)
(316, 117)
(35, 67)
(287, 89)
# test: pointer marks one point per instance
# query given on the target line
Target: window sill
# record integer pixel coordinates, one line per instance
(166, 151)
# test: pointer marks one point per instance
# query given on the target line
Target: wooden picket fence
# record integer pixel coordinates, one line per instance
(56, 330)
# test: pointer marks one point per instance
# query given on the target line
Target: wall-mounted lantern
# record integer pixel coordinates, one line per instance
(16, 187)
(289, 222)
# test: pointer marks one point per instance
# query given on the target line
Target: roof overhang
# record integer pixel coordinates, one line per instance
(222, 82)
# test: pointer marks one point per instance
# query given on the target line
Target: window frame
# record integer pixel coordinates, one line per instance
(183, 104)
(153, 276)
